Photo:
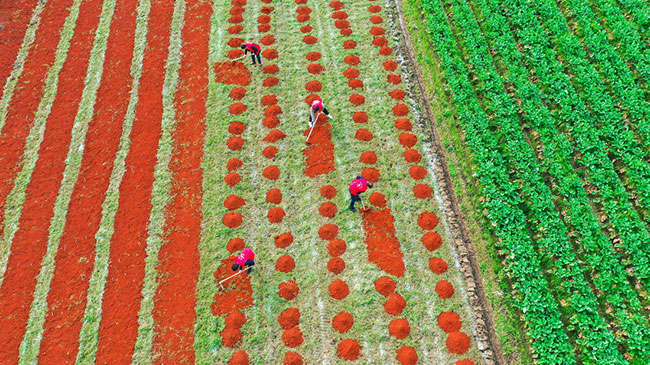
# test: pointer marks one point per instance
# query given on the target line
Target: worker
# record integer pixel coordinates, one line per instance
(245, 259)
(255, 51)
(358, 186)
(317, 107)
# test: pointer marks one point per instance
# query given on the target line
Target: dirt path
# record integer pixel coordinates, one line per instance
(486, 335)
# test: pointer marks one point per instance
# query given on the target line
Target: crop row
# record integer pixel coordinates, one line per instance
(539, 307)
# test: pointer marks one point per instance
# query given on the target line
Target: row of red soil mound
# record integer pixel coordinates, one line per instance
(363, 135)
(444, 289)
(268, 100)
(313, 86)
(292, 358)
(274, 136)
(328, 231)
(270, 152)
(432, 241)
(239, 358)
(232, 219)
(238, 293)
(231, 334)
(395, 304)
(292, 337)
(403, 124)
(397, 94)
(235, 143)
(271, 172)
(232, 72)
(382, 244)
(428, 220)
(237, 93)
(437, 265)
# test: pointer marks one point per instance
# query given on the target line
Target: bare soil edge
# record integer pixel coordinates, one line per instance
(486, 334)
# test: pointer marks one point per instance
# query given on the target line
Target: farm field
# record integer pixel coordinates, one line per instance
(508, 143)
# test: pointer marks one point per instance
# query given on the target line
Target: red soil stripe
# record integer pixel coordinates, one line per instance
(27, 96)
(118, 330)
(14, 18)
(76, 254)
(175, 299)
(30, 242)
(319, 153)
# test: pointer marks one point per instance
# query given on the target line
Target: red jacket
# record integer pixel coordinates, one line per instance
(317, 105)
(253, 47)
(245, 255)
(358, 186)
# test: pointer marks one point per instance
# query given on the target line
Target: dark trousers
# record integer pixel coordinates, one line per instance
(354, 199)
(250, 264)
(311, 117)
(259, 60)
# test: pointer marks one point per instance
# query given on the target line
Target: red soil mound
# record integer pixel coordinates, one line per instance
(349, 349)
(235, 19)
(303, 18)
(374, 9)
(385, 285)
(310, 98)
(235, 320)
(232, 72)
(235, 29)
(310, 39)
(428, 220)
(313, 56)
(339, 289)
(276, 215)
(399, 328)
(422, 191)
(444, 289)
(314, 86)
(363, 135)
(371, 174)
(271, 69)
(432, 241)
(397, 94)
(464, 362)
(235, 53)
(412, 156)
(400, 110)
(272, 172)
(349, 44)
(238, 3)
(395, 304)
(437, 265)
(306, 28)
(235, 245)
(292, 337)
(285, 263)
(303, 10)
(267, 9)
(232, 179)
(235, 42)
(319, 150)
(379, 42)
(237, 108)
(272, 111)
(237, 10)
(283, 240)
(236, 128)
(342, 322)
(270, 81)
(328, 192)
(368, 158)
(394, 79)
(377, 31)
(339, 14)
(271, 121)
(385, 51)
(390, 65)
(268, 100)
(239, 358)
(355, 84)
(408, 139)
(270, 152)
(342, 24)
(289, 318)
(288, 290)
(376, 19)
(351, 73)
(403, 124)
(360, 117)
(382, 244)
(274, 196)
(234, 164)
(406, 355)
(458, 343)
(292, 358)
(274, 136)
(336, 5)
(336, 247)
(237, 93)
(378, 200)
(267, 40)
(315, 68)
(336, 265)
(270, 54)
(449, 322)
(232, 220)
(238, 293)
(234, 202)
(417, 172)
(328, 231)
(298, 2)
(230, 336)
(346, 32)
(263, 19)
(235, 143)
(327, 209)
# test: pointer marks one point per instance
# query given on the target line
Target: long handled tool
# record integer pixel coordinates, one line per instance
(238, 58)
(364, 209)
(230, 277)
(312, 127)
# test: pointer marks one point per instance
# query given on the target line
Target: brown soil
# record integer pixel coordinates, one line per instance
(342, 322)
(283, 240)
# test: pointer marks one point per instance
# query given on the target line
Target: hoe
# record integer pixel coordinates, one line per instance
(312, 127)
(230, 277)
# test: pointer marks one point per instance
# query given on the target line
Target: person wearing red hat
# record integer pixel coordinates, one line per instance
(245, 259)
(255, 51)
(358, 186)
